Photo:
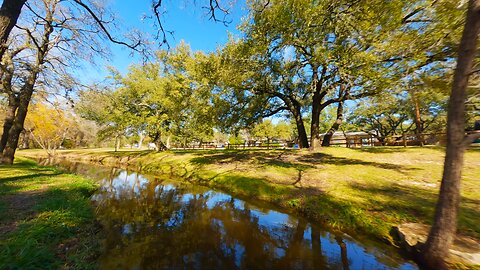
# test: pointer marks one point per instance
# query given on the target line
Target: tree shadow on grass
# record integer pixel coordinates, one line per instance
(224, 157)
(26, 177)
(272, 159)
(416, 203)
(301, 163)
(35, 231)
(285, 164)
(321, 158)
(135, 153)
(29, 172)
(381, 149)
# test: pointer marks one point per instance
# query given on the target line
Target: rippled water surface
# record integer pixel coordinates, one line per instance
(159, 223)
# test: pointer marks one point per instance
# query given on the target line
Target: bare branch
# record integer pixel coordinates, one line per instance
(101, 23)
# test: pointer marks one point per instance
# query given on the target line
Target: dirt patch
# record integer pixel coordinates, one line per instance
(69, 245)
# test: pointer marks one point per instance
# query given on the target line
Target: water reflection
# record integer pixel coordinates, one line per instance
(152, 223)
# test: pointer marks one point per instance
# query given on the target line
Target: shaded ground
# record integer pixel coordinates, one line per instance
(46, 221)
(367, 189)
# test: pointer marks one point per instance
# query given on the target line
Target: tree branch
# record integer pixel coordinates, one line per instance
(105, 30)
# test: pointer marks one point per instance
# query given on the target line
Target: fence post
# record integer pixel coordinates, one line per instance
(404, 139)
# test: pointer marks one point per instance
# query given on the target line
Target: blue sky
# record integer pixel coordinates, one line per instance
(187, 19)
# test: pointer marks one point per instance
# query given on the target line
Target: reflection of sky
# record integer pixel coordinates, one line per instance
(358, 257)
(307, 234)
(125, 181)
(239, 252)
(215, 197)
(239, 204)
(271, 218)
(279, 253)
(127, 229)
(187, 197)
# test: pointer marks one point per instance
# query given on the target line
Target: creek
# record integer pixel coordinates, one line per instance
(159, 222)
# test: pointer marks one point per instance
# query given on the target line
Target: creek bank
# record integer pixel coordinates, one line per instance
(464, 253)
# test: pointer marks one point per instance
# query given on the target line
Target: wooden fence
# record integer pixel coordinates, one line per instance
(345, 140)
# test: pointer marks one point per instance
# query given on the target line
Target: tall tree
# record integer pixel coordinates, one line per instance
(9, 13)
(444, 226)
(308, 55)
(264, 130)
(168, 99)
(106, 110)
(57, 37)
(43, 46)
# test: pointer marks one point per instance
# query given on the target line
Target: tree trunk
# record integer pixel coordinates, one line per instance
(444, 226)
(328, 137)
(302, 134)
(17, 126)
(295, 109)
(8, 121)
(117, 142)
(315, 126)
(9, 13)
(25, 139)
(418, 120)
(167, 143)
(157, 140)
(160, 145)
(140, 141)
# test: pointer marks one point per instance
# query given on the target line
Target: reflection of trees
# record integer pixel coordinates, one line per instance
(318, 259)
(92, 171)
(152, 226)
(343, 253)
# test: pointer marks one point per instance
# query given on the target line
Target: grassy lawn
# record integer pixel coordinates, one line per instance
(365, 190)
(46, 220)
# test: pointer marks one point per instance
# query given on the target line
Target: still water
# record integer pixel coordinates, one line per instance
(154, 222)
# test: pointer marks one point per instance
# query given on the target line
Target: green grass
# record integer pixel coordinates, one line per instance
(46, 219)
(366, 190)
